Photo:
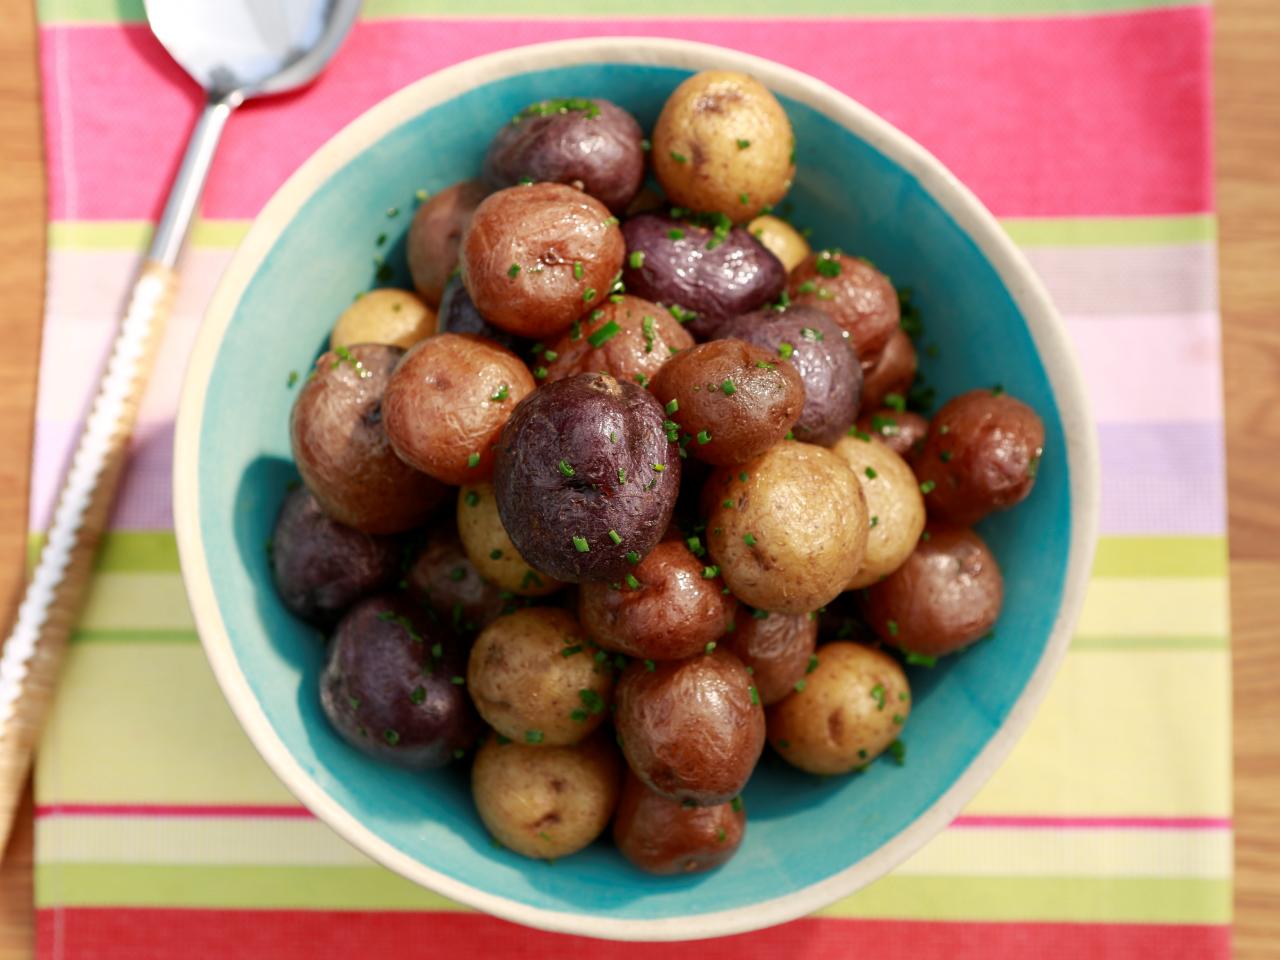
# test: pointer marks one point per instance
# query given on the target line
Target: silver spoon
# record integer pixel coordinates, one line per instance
(236, 50)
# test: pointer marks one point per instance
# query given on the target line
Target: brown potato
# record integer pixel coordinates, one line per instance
(435, 235)
(732, 399)
(723, 144)
(341, 448)
(776, 647)
(902, 431)
(533, 679)
(982, 455)
(546, 802)
(691, 729)
(857, 296)
(447, 402)
(851, 708)
(895, 506)
(892, 371)
(535, 258)
(663, 836)
(446, 581)
(669, 609)
(628, 338)
(946, 596)
(794, 531)
(490, 550)
(394, 317)
(781, 239)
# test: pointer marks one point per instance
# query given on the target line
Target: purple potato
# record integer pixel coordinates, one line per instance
(444, 579)
(592, 144)
(690, 267)
(827, 364)
(321, 567)
(458, 314)
(392, 686)
(585, 476)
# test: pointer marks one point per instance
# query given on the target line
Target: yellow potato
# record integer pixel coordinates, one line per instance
(396, 318)
(546, 802)
(490, 550)
(895, 506)
(794, 530)
(724, 144)
(781, 239)
(850, 709)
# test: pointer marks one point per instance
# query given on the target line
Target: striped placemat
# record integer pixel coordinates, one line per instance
(1083, 124)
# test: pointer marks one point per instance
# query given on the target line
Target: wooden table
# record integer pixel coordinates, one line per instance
(1248, 142)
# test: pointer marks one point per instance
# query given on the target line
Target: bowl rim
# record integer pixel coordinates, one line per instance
(1054, 347)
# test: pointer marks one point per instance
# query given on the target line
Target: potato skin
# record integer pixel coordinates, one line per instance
(321, 567)
(546, 802)
(810, 341)
(895, 506)
(892, 371)
(946, 596)
(489, 548)
(697, 152)
(458, 314)
(394, 317)
(447, 402)
(435, 235)
(543, 229)
(527, 689)
(591, 144)
(982, 455)
(691, 730)
(807, 520)
(740, 396)
(903, 431)
(663, 836)
(646, 338)
(781, 239)
(447, 582)
(387, 693)
(776, 646)
(674, 612)
(341, 447)
(859, 298)
(577, 460)
(853, 705)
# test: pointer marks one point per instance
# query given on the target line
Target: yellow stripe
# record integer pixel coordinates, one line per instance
(136, 601)
(1169, 607)
(136, 234)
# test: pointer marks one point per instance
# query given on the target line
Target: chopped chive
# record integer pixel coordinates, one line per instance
(533, 736)
(728, 387)
(807, 287)
(613, 535)
(896, 401)
(293, 378)
(898, 751)
(799, 686)
(899, 719)
(458, 681)
(632, 582)
(871, 473)
(591, 700)
(588, 294)
(632, 557)
(564, 467)
(709, 647)
(622, 475)
(727, 504)
(749, 539)
(945, 457)
(827, 266)
(928, 487)
(755, 696)
(892, 627)
(513, 271)
(736, 804)
(550, 356)
(577, 270)
(675, 233)
(744, 198)
(650, 666)
(813, 663)
(501, 393)
(760, 614)
(679, 157)
(540, 373)
(709, 573)
(577, 716)
(810, 333)
(636, 259)
(704, 437)
(785, 350)
(457, 574)
(391, 737)
(580, 544)
(473, 460)
(495, 554)
(997, 390)
(877, 694)
(743, 144)
(602, 336)
(921, 659)
(673, 405)
(571, 650)
(744, 476)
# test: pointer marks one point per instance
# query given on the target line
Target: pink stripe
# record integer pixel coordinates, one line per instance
(1092, 823)
(1041, 116)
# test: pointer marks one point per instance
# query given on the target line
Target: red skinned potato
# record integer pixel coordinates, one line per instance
(341, 447)
(628, 338)
(902, 431)
(778, 647)
(857, 296)
(665, 837)
(431, 247)
(946, 596)
(446, 581)
(891, 372)
(447, 402)
(536, 257)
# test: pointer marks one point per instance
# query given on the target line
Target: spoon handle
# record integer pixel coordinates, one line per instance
(51, 604)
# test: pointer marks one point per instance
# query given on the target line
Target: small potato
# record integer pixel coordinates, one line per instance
(857, 296)
(902, 430)
(892, 372)
(781, 239)
(982, 455)
(669, 610)
(341, 448)
(533, 679)
(534, 258)
(665, 837)
(394, 317)
(629, 339)
(723, 143)
(459, 315)
(852, 707)
(322, 567)
(895, 506)
(546, 802)
(732, 399)
(794, 531)
(447, 582)
(447, 402)
(490, 550)
(592, 144)
(691, 729)
(776, 647)
(946, 596)
(435, 236)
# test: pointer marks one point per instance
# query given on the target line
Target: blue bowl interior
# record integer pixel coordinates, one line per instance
(803, 829)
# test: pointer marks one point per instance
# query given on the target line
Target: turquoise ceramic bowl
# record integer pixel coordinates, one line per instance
(862, 186)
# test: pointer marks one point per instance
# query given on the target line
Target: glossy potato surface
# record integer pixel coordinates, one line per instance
(857, 296)
(895, 506)
(435, 236)
(629, 339)
(444, 579)
(663, 836)
(777, 647)
(903, 431)
(781, 239)
(892, 371)
(393, 317)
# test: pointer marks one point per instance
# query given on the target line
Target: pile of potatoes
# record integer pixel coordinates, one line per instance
(574, 508)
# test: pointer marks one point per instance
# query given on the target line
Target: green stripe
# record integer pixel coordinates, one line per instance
(1050, 899)
(1081, 642)
(134, 551)
(1111, 231)
(135, 636)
